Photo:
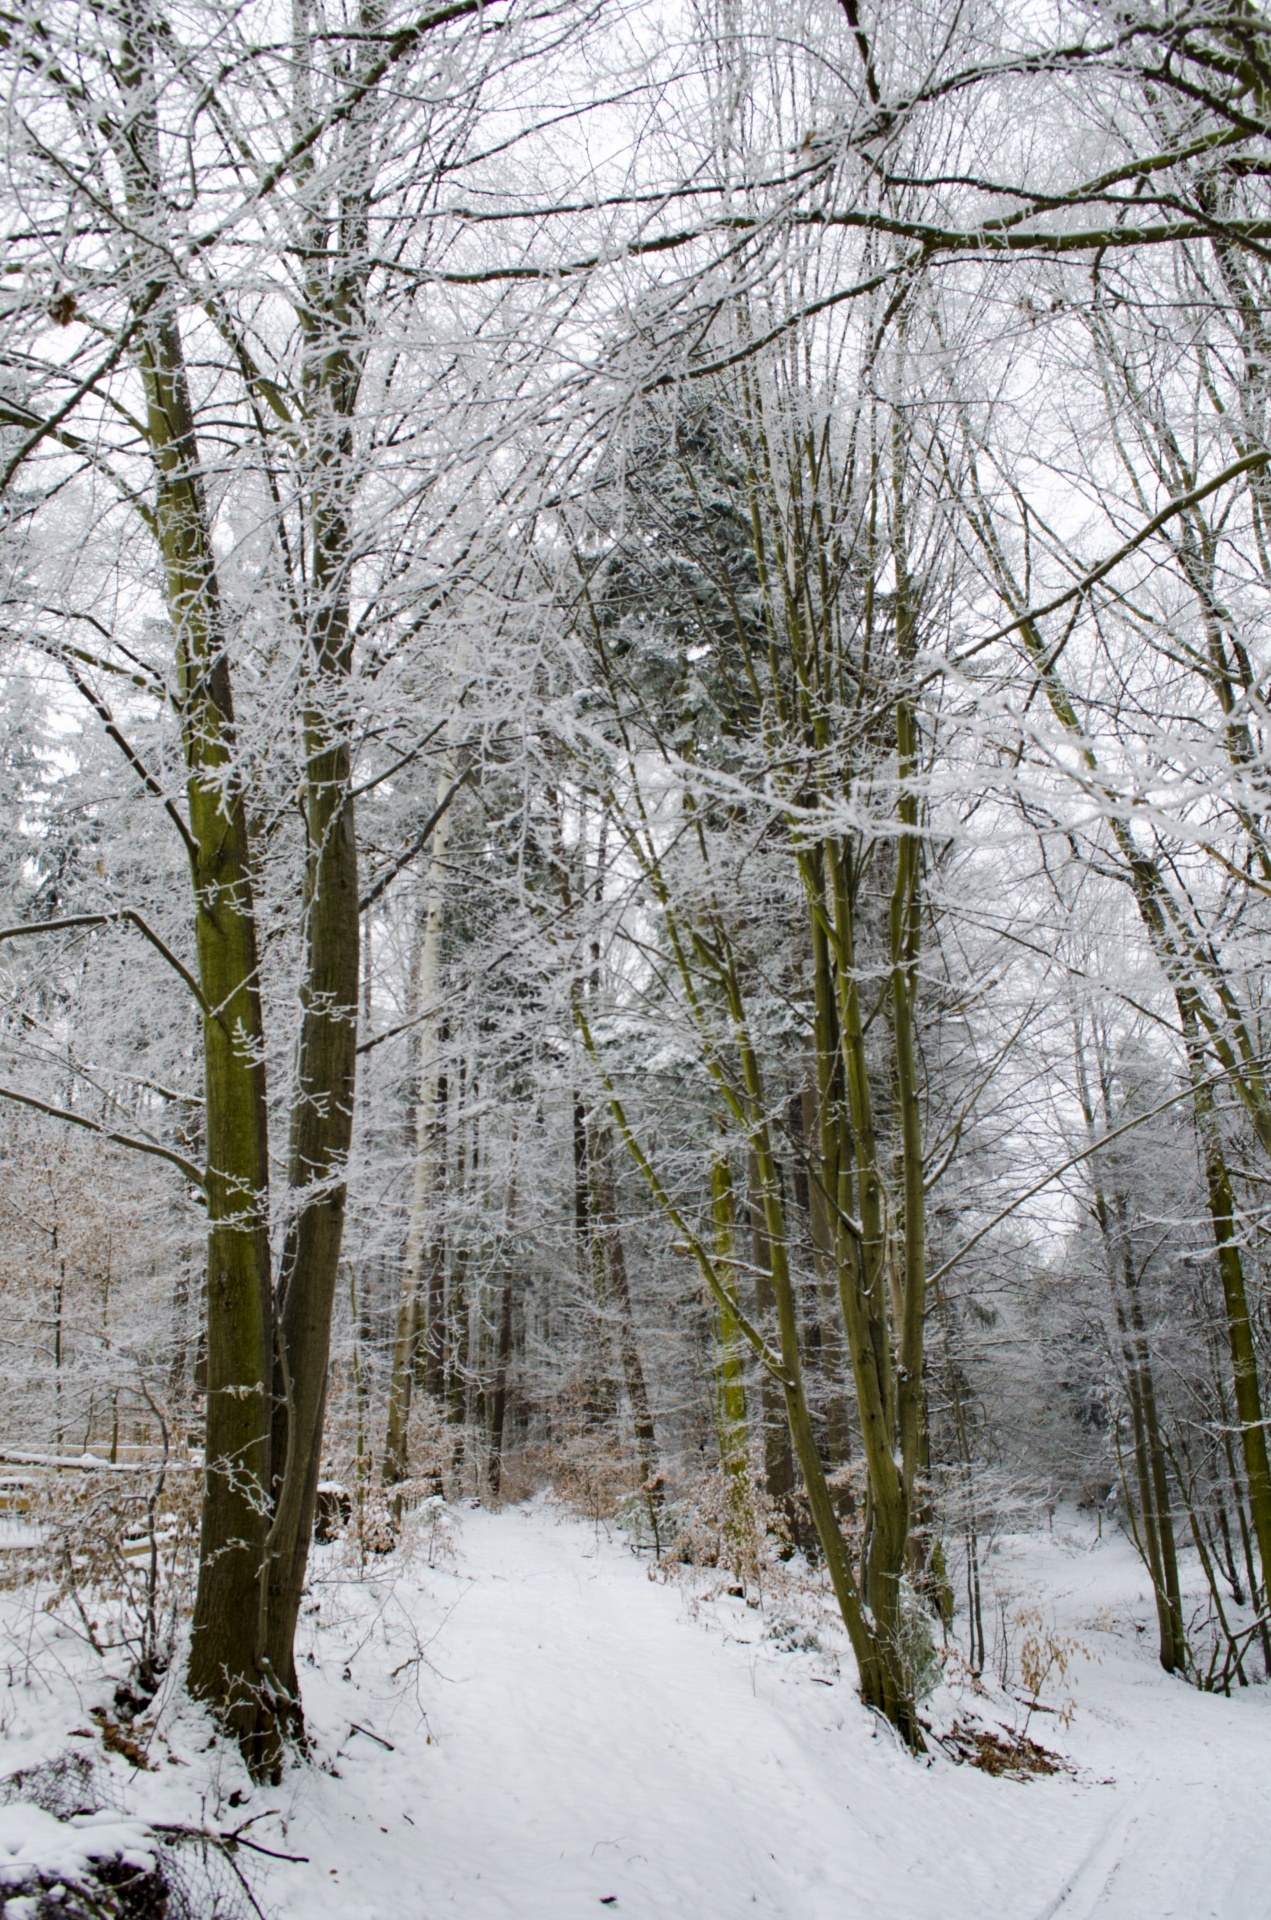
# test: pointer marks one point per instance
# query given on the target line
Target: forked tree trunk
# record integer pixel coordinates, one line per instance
(228, 1657)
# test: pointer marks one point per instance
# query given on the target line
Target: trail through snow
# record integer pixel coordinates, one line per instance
(535, 1730)
(596, 1748)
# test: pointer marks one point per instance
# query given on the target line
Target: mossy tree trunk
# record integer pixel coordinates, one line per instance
(266, 1363)
(730, 1373)
(228, 1656)
(333, 326)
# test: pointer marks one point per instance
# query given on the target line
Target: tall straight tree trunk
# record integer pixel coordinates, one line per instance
(333, 330)
(1160, 1549)
(432, 1350)
(1155, 1482)
(458, 1306)
(499, 1399)
(616, 1306)
(503, 1343)
(1112, 1217)
(1246, 1386)
(1155, 1515)
(734, 1436)
(458, 1346)
(425, 1179)
(321, 1133)
(778, 1459)
(589, 1255)
(838, 1422)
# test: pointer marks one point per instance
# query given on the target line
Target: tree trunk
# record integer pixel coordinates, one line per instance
(616, 1305)
(730, 1388)
(1112, 1217)
(602, 1390)
(1153, 1473)
(425, 1182)
(227, 1650)
(1246, 1387)
(322, 1129)
(503, 1347)
(778, 1459)
(838, 1418)
(433, 1352)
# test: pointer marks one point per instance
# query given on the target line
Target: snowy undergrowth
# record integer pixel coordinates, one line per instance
(530, 1726)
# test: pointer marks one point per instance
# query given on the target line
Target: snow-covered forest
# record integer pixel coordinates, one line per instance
(634, 958)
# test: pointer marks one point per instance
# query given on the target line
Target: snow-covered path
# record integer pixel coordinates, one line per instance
(595, 1748)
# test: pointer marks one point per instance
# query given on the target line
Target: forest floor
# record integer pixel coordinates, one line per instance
(530, 1728)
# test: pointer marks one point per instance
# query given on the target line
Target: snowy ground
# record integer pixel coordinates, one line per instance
(568, 1736)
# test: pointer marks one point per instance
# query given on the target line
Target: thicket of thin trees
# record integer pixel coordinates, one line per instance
(633, 737)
